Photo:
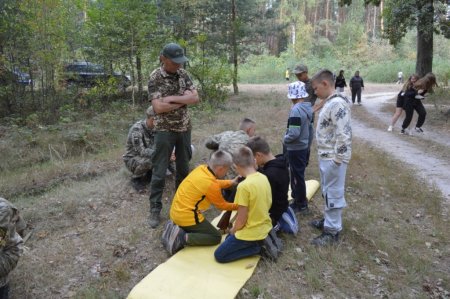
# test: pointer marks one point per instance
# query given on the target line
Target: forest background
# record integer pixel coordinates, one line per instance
(247, 41)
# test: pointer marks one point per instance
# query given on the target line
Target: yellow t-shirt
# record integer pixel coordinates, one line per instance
(255, 194)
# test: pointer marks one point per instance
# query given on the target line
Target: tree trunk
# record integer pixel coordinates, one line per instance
(234, 46)
(139, 76)
(381, 14)
(424, 60)
(327, 19)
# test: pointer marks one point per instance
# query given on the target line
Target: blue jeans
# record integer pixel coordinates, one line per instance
(297, 165)
(234, 249)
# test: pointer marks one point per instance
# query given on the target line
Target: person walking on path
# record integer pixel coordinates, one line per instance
(170, 91)
(413, 101)
(400, 77)
(356, 85)
(340, 82)
(401, 101)
(334, 146)
(287, 74)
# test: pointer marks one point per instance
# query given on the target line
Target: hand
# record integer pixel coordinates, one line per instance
(187, 92)
(235, 181)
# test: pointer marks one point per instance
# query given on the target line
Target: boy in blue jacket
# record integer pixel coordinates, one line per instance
(296, 142)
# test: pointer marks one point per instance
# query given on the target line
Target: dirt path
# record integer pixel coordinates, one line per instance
(432, 168)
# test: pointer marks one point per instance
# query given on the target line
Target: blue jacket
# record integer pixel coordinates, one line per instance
(298, 127)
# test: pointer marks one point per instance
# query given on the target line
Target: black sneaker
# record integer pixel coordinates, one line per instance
(138, 184)
(154, 220)
(302, 211)
(317, 223)
(325, 239)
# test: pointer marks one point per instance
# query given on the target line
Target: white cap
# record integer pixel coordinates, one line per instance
(297, 90)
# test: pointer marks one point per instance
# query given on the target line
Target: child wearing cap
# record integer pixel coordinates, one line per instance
(296, 143)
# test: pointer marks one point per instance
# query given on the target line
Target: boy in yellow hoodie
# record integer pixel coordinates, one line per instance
(201, 188)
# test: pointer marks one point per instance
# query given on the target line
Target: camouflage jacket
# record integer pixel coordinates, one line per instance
(163, 84)
(140, 141)
(229, 141)
(10, 241)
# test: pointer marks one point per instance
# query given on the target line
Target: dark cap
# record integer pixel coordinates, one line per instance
(174, 52)
(301, 68)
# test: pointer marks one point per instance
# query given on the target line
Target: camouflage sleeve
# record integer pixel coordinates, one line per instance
(153, 91)
(138, 143)
(189, 84)
(9, 254)
(213, 142)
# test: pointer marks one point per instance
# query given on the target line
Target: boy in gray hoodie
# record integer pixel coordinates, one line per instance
(296, 142)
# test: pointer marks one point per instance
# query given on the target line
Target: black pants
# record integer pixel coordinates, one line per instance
(356, 92)
(409, 107)
(4, 292)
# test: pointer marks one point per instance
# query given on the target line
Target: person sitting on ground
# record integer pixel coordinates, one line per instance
(195, 194)
(231, 141)
(253, 224)
(10, 243)
(139, 151)
(334, 146)
(401, 100)
(296, 142)
(275, 168)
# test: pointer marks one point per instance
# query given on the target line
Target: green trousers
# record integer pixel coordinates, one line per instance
(165, 142)
(203, 233)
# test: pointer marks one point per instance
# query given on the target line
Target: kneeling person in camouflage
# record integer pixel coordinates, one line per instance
(139, 151)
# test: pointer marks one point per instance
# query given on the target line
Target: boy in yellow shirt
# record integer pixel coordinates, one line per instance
(253, 222)
(196, 193)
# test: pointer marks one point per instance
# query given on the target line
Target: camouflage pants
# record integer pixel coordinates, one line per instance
(139, 166)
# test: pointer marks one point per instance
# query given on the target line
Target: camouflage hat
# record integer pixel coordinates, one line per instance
(301, 68)
(150, 112)
(174, 52)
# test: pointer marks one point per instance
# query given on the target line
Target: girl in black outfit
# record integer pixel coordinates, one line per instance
(413, 101)
(401, 100)
(340, 82)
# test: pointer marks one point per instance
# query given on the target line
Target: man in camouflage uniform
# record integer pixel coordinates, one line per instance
(232, 141)
(10, 242)
(139, 151)
(170, 91)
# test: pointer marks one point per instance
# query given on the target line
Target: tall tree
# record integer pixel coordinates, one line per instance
(400, 16)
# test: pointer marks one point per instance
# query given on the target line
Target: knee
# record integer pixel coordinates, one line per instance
(219, 256)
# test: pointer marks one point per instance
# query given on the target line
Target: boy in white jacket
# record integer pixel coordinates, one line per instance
(334, 145)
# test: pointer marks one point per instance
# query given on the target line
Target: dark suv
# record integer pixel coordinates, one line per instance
(88, 74)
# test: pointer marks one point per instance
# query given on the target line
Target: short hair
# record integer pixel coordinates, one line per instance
(323, 75)
(244, 157)
(220, 158)
(258, 145)
(246, 123)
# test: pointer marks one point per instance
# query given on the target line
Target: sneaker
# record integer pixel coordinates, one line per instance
(168, 227)
(177, 240)
(275, 240)
(269, 250)
(154, 220)
(302, 211)
(406, 132)
(359, 104)
(138, 184)
(419, 130)
(317, 223)
(325, 239)
(390, 129)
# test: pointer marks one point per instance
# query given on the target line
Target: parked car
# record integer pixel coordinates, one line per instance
(89, 74)
(14, 76)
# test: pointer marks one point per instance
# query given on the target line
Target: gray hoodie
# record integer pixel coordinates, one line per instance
(298, 127)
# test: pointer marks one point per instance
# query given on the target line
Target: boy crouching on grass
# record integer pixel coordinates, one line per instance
(198, 190)
(253, 224)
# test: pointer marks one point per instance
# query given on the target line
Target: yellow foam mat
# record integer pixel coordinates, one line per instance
(194, 273)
